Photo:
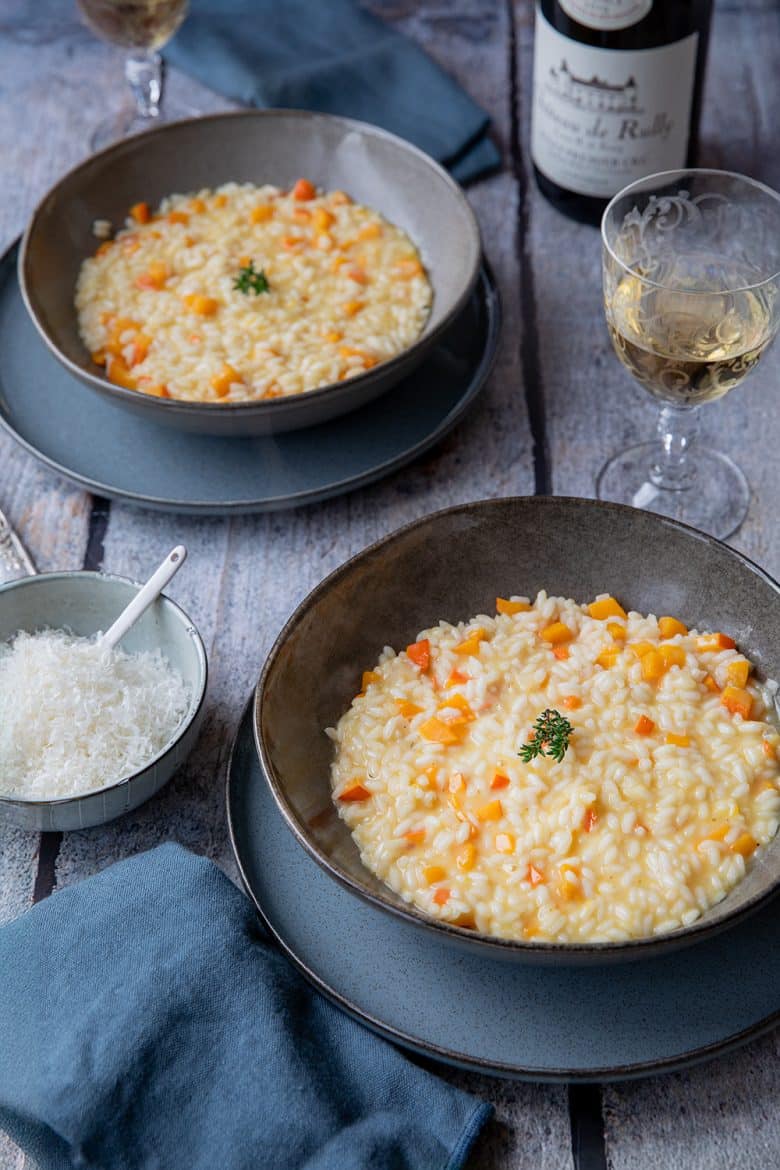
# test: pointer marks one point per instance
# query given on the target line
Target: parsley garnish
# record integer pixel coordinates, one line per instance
(551, 737)
(250, 280)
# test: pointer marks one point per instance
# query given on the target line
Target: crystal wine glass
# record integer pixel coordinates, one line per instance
(691, 264)
(142, 27)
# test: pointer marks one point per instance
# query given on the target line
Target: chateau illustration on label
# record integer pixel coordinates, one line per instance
(593, 94)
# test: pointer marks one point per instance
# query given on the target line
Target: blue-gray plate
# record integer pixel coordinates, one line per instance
(105, 449)
(507, 1019)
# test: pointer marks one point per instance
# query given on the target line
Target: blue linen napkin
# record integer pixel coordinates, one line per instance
(146, 1022)
(334, 57)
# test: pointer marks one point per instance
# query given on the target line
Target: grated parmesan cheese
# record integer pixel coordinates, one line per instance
(75, 717)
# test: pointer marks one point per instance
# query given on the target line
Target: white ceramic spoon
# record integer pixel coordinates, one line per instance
(144, 598)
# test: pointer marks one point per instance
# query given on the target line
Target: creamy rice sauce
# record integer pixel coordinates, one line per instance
(666, 794)
(330, 290)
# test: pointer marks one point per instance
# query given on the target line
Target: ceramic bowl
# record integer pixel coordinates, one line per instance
(414, 578)
(260, 146)
(85, 603)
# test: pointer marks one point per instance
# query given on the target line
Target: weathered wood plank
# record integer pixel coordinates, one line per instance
(722, 1114)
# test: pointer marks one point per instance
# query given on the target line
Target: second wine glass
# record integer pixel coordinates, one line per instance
(142, 27)
(691, 263)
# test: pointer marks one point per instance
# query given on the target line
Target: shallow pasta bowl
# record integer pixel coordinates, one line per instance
(85, 603)
(452, 565)
(259, 146)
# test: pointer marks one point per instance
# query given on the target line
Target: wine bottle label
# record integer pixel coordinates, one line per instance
(606, 15)
(604, 117)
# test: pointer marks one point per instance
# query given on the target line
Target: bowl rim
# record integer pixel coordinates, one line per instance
(633, 947)
(263, 406)
(196, 702)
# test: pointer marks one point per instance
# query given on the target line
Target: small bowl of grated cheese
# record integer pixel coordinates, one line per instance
(88, 733)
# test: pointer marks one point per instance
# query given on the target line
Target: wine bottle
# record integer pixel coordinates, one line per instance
(617, 91)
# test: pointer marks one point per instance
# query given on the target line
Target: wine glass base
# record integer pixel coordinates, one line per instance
(127, 121)
(716, 500)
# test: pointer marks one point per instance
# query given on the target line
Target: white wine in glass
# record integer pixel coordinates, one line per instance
(142, 27)
(692, 300)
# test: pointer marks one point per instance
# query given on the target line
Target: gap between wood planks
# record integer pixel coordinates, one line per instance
(586, 1117)
(49, 848)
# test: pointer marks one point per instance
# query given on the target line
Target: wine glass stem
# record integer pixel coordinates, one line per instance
(678, 427)
(144, 73)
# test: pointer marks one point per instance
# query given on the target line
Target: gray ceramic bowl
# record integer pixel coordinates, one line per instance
(85, 603)
(260, 146)
(414, 578)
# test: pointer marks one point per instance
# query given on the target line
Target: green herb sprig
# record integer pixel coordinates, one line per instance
(551, 737)
(250, 280)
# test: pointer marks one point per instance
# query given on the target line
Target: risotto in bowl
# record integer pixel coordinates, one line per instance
(574, 758)
(249, 273)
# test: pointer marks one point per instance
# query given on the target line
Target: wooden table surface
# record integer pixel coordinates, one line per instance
(557, 404)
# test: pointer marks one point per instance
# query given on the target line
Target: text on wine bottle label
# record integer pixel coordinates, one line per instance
(605, 117)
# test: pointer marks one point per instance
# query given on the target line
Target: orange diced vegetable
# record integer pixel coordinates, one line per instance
(569, 884)
(738, 671)
(456, 678)
(301, 214)
(332, 335)
(769, 749)
(719, 832)
(617, 631)
(352, 308)
(470, 644)
(357, 274)
(534, 876)
(466, 857)
(641, 648)
(222, 381)
(178, 217)
(715, 642)
(561, 653)
(119, 374)
(458, 703)
(678, 740)
(572, 702)
(669, 627)
(261, 214)
(369, 676)
(672, 656)
(99, 357)
(407, 709)
(140, 212)
(337, 262)
(737, 701)
(511, 607)
(745, 845)
(415, 836)
(304, 190)
(438, 731)
(106, 246)
(157, 390)
(434, 874)
(505, 842)
(556, 633)
(492, 811)
(606, 608)
(154, 277)
(591, 817)
(140, 347)
(442, 896)
(201, 305)
(500, 780)
(197, 206)
(420, 653)
(608, 657)
(338, 198)
(220, 200)
(652, 666)
(354, 792)
(323, 219)
(710, 683)
(371, 231)
(644, 726)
